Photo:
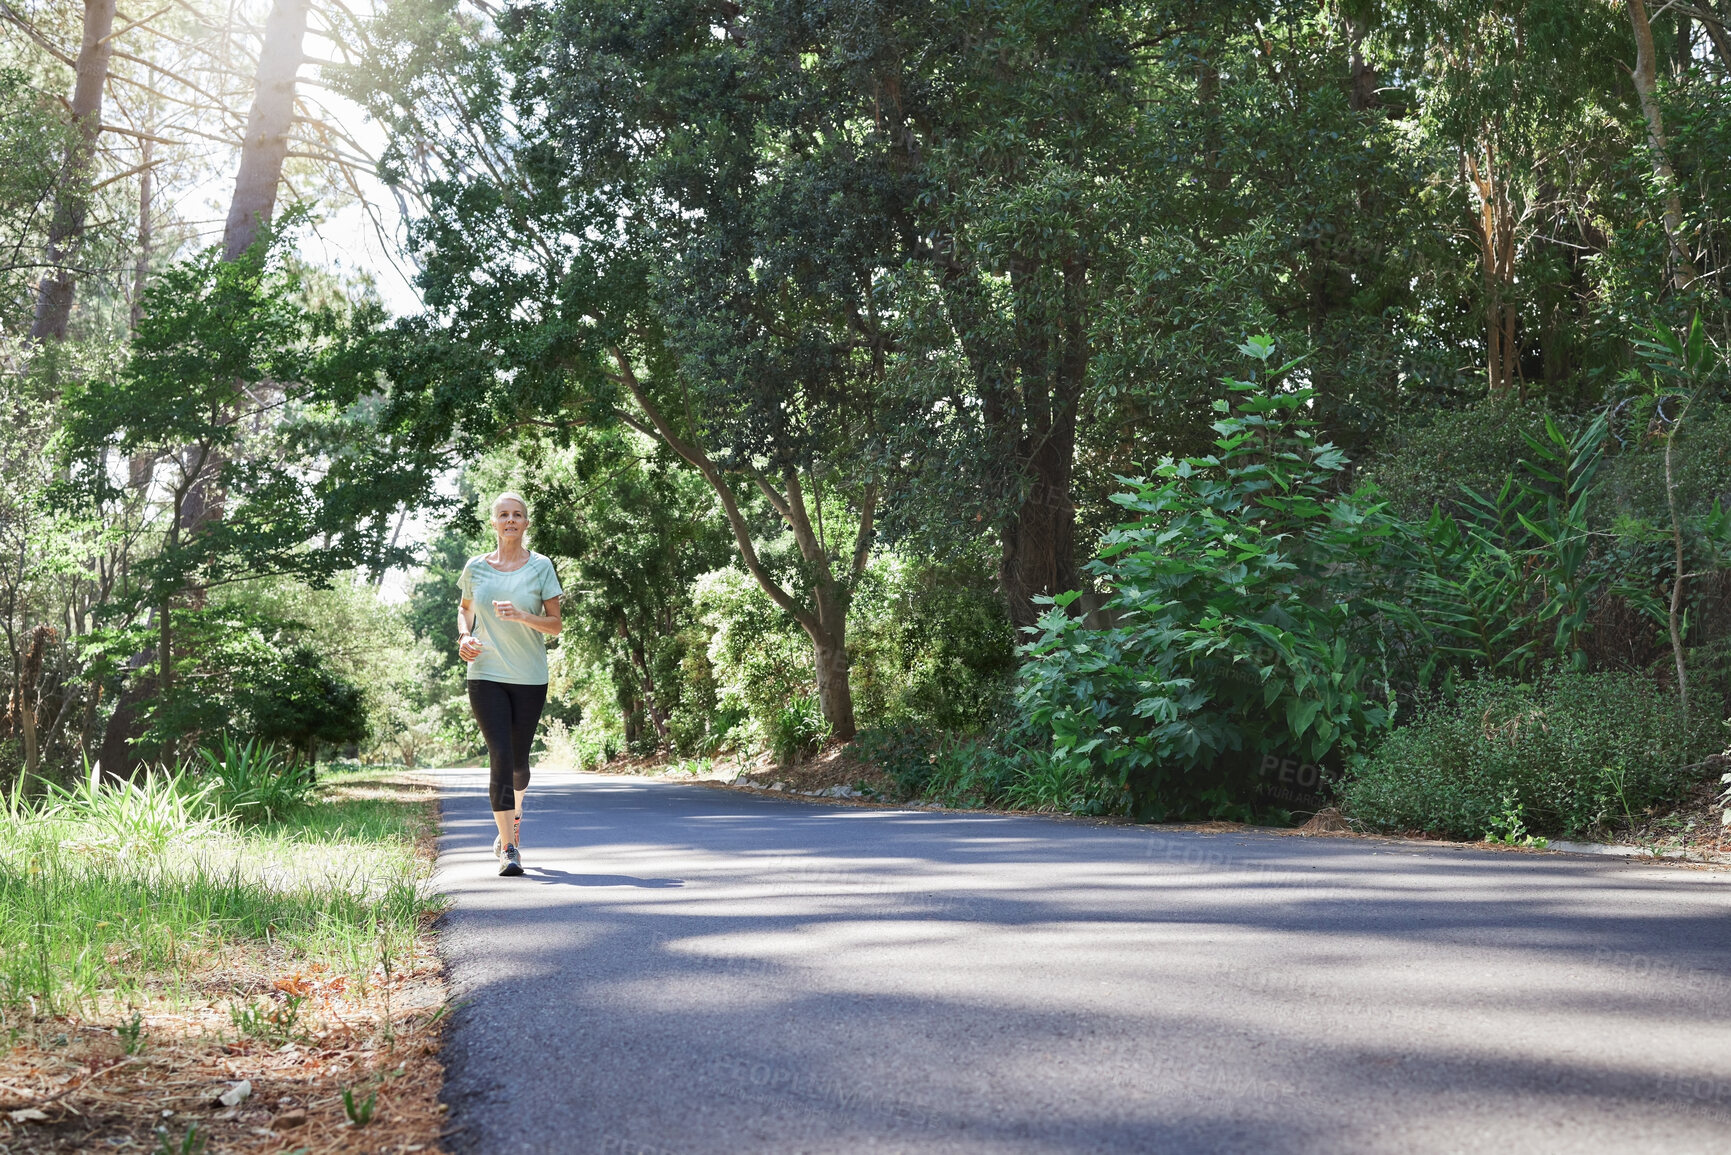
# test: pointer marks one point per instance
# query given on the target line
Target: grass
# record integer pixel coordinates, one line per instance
(152, 948)
(102, 904)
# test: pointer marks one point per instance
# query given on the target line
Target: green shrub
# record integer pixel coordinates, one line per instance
(1052, 785)
(133, 817)
(1574, 752)
(971, 774)
(797, 729)
(906, 752)
(1243, 623)
(759, 657)
(1426, 457)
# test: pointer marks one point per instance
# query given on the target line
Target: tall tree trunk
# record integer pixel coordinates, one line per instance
(1496, 243)
(1683, 271)
(265, 146)
(72, 191)
(834, 667)
(1038, 555)
(1362, 77)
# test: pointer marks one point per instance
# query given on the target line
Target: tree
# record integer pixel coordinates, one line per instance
(710, 290)
(235, 379)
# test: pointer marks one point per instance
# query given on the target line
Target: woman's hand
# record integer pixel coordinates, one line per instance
(544, 623)
(468, 648)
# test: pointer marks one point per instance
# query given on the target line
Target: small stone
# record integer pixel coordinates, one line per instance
(236, 1094)
(289, 1120)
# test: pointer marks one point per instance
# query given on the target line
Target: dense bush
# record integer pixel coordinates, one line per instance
(1429, 458)
(1240, 623)
(1574, 752)
(236, 670)
(252, 783)
(932, 646)
(760, 658)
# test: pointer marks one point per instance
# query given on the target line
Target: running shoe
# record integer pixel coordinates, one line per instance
(510, 862)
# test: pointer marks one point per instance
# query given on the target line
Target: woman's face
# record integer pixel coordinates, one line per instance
(510, 519)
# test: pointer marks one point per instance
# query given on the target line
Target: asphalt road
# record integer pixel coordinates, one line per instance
(684, 969)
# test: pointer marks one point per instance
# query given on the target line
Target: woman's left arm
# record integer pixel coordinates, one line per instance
(547, 622)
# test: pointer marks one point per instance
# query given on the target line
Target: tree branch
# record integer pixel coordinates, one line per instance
(729, 503)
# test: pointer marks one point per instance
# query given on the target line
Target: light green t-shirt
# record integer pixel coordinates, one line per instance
(510, 651)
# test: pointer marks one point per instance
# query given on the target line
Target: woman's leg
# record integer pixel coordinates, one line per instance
(527, 702)
(491, 703)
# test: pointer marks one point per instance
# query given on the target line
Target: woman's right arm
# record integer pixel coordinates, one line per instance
(468, 648)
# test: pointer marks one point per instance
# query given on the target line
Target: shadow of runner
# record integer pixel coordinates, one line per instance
(566, 878)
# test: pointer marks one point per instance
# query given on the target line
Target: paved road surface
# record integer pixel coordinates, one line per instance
(684, 969)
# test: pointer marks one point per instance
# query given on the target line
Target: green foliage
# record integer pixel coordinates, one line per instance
(906, 752)
(1563, 757)
(1239, 611)
(193, 394)
(253, 783)
(359, 1112)
(1510, 827)
(760, 657)
(1430, 458)
(239, 671)
(137, 817)
(192, 1141)
(971, 774)
(33, 139)
(131, 1033)
(797, 730)
(1511, 582)
(1052, 785)
(931, 646)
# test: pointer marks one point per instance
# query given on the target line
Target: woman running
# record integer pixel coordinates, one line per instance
(509, 598)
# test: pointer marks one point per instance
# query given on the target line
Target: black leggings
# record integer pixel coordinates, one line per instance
(507, 713)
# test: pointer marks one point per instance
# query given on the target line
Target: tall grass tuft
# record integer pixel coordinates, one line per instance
(254, 783)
